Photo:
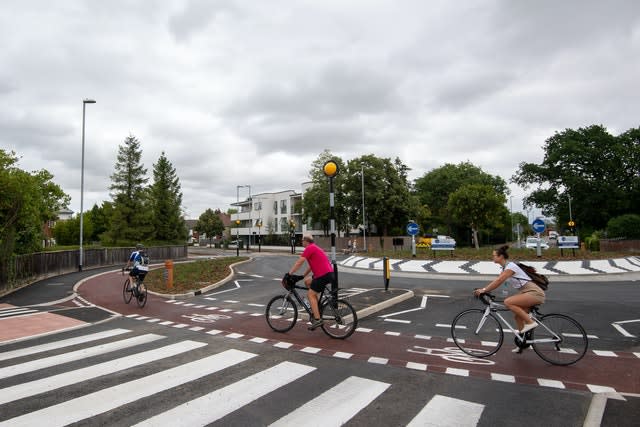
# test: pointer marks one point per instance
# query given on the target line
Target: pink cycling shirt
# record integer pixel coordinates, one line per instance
(317, 259)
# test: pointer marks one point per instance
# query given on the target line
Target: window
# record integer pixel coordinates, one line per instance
(275, 208)
(257, 206)
(283, 206)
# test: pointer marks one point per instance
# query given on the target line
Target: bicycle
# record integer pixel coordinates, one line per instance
(139, 290)
(558, 339)
(340, 318)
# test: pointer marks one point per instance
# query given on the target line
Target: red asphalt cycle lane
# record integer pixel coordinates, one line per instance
(619, 373)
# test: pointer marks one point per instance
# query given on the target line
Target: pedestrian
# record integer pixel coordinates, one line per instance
(321, 274)
(529, 293)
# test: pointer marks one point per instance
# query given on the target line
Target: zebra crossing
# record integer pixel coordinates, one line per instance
(156, 379)
(17, 312)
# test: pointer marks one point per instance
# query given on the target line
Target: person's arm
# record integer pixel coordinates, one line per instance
(496, 283)
(297, 265)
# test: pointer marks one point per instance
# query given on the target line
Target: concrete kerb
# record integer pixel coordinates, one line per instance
(368, 311)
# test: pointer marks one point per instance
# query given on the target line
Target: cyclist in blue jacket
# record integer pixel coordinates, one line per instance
(140, 262)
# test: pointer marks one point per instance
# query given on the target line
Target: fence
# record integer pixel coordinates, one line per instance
(24, 269)
(619, 245)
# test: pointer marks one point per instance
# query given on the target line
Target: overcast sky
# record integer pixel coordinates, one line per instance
(251, 92)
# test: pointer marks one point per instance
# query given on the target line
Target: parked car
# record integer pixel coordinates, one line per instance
(532, 243)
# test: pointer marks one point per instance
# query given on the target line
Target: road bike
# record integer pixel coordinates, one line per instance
(340, 319)
(558, 339)
(138, 290)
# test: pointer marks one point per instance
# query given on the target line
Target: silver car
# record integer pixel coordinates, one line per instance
(532, 243)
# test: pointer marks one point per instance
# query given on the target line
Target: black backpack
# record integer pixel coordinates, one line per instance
(537, 278)
(145, 257)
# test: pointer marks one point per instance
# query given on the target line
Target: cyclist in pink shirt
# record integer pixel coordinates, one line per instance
(321, 274)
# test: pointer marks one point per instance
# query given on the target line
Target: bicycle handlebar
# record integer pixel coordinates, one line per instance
(486, 297)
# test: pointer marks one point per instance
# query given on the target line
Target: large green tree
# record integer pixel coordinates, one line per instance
(478, 206)
(210, 224)
(594, 171)
(27, 201)
(165, 200)
(434, 188)
(388, 201)
(130, 218)
(315, 203)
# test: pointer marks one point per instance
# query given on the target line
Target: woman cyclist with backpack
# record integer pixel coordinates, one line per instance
(529, 294)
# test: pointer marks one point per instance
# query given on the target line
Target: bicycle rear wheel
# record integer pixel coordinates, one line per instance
(340, 318)
(127, 293)
(142, 295)
(281, 313)
(475, 334)
(564, 339)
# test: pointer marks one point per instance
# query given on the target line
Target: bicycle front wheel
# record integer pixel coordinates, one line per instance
(559, 339)
(476, 334)
(281, 313)
(126, 291)
(340, 318)
(142, 295)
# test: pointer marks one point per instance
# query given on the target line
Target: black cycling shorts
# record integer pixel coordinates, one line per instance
(318, 284)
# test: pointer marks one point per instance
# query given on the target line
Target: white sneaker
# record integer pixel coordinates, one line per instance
(528, 327)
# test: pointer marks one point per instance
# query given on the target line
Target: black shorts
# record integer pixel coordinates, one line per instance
(318, 283)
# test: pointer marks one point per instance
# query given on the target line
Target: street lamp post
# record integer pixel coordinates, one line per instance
(81, 255)
(238, 187)
(364, 224)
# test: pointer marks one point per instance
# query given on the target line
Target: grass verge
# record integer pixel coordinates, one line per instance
(191, 276)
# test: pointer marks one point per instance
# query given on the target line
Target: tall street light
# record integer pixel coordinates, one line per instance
(364, 224)
(84, 104)
(238, 187)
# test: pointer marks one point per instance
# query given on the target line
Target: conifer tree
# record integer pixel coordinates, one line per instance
(130, 220)
(166, 203)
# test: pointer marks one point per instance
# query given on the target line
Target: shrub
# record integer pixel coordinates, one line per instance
(627, 226)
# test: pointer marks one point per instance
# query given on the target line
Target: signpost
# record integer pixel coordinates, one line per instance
(412, 230)
(538, 226)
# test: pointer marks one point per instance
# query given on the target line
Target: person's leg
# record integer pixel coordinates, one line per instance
(313, 302)
(519, 305)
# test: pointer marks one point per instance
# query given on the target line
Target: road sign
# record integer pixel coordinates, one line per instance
(571, 223)
(412, 229)
(538, 225)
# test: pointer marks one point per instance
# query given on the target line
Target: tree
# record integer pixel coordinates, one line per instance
(434, 188)
(27, 201)
(478, 206)
(130, 220)
(591, 169)
(165, 200)
(389, 203)
(210, 224)
(315, 203)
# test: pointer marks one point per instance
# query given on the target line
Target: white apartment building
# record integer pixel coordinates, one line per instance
(269, 213)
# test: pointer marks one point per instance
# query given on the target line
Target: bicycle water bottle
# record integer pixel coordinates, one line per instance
(505, 290)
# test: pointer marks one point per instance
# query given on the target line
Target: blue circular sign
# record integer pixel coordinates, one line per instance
(538, 225)
(412, 229)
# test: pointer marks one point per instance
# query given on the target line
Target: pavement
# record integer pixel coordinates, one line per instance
(47, 305)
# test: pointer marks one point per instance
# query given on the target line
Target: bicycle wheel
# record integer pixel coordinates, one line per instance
(142, 295)
(475, 334)
(281, 313)
(340, 319)
(126, 291)
(560, 339)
